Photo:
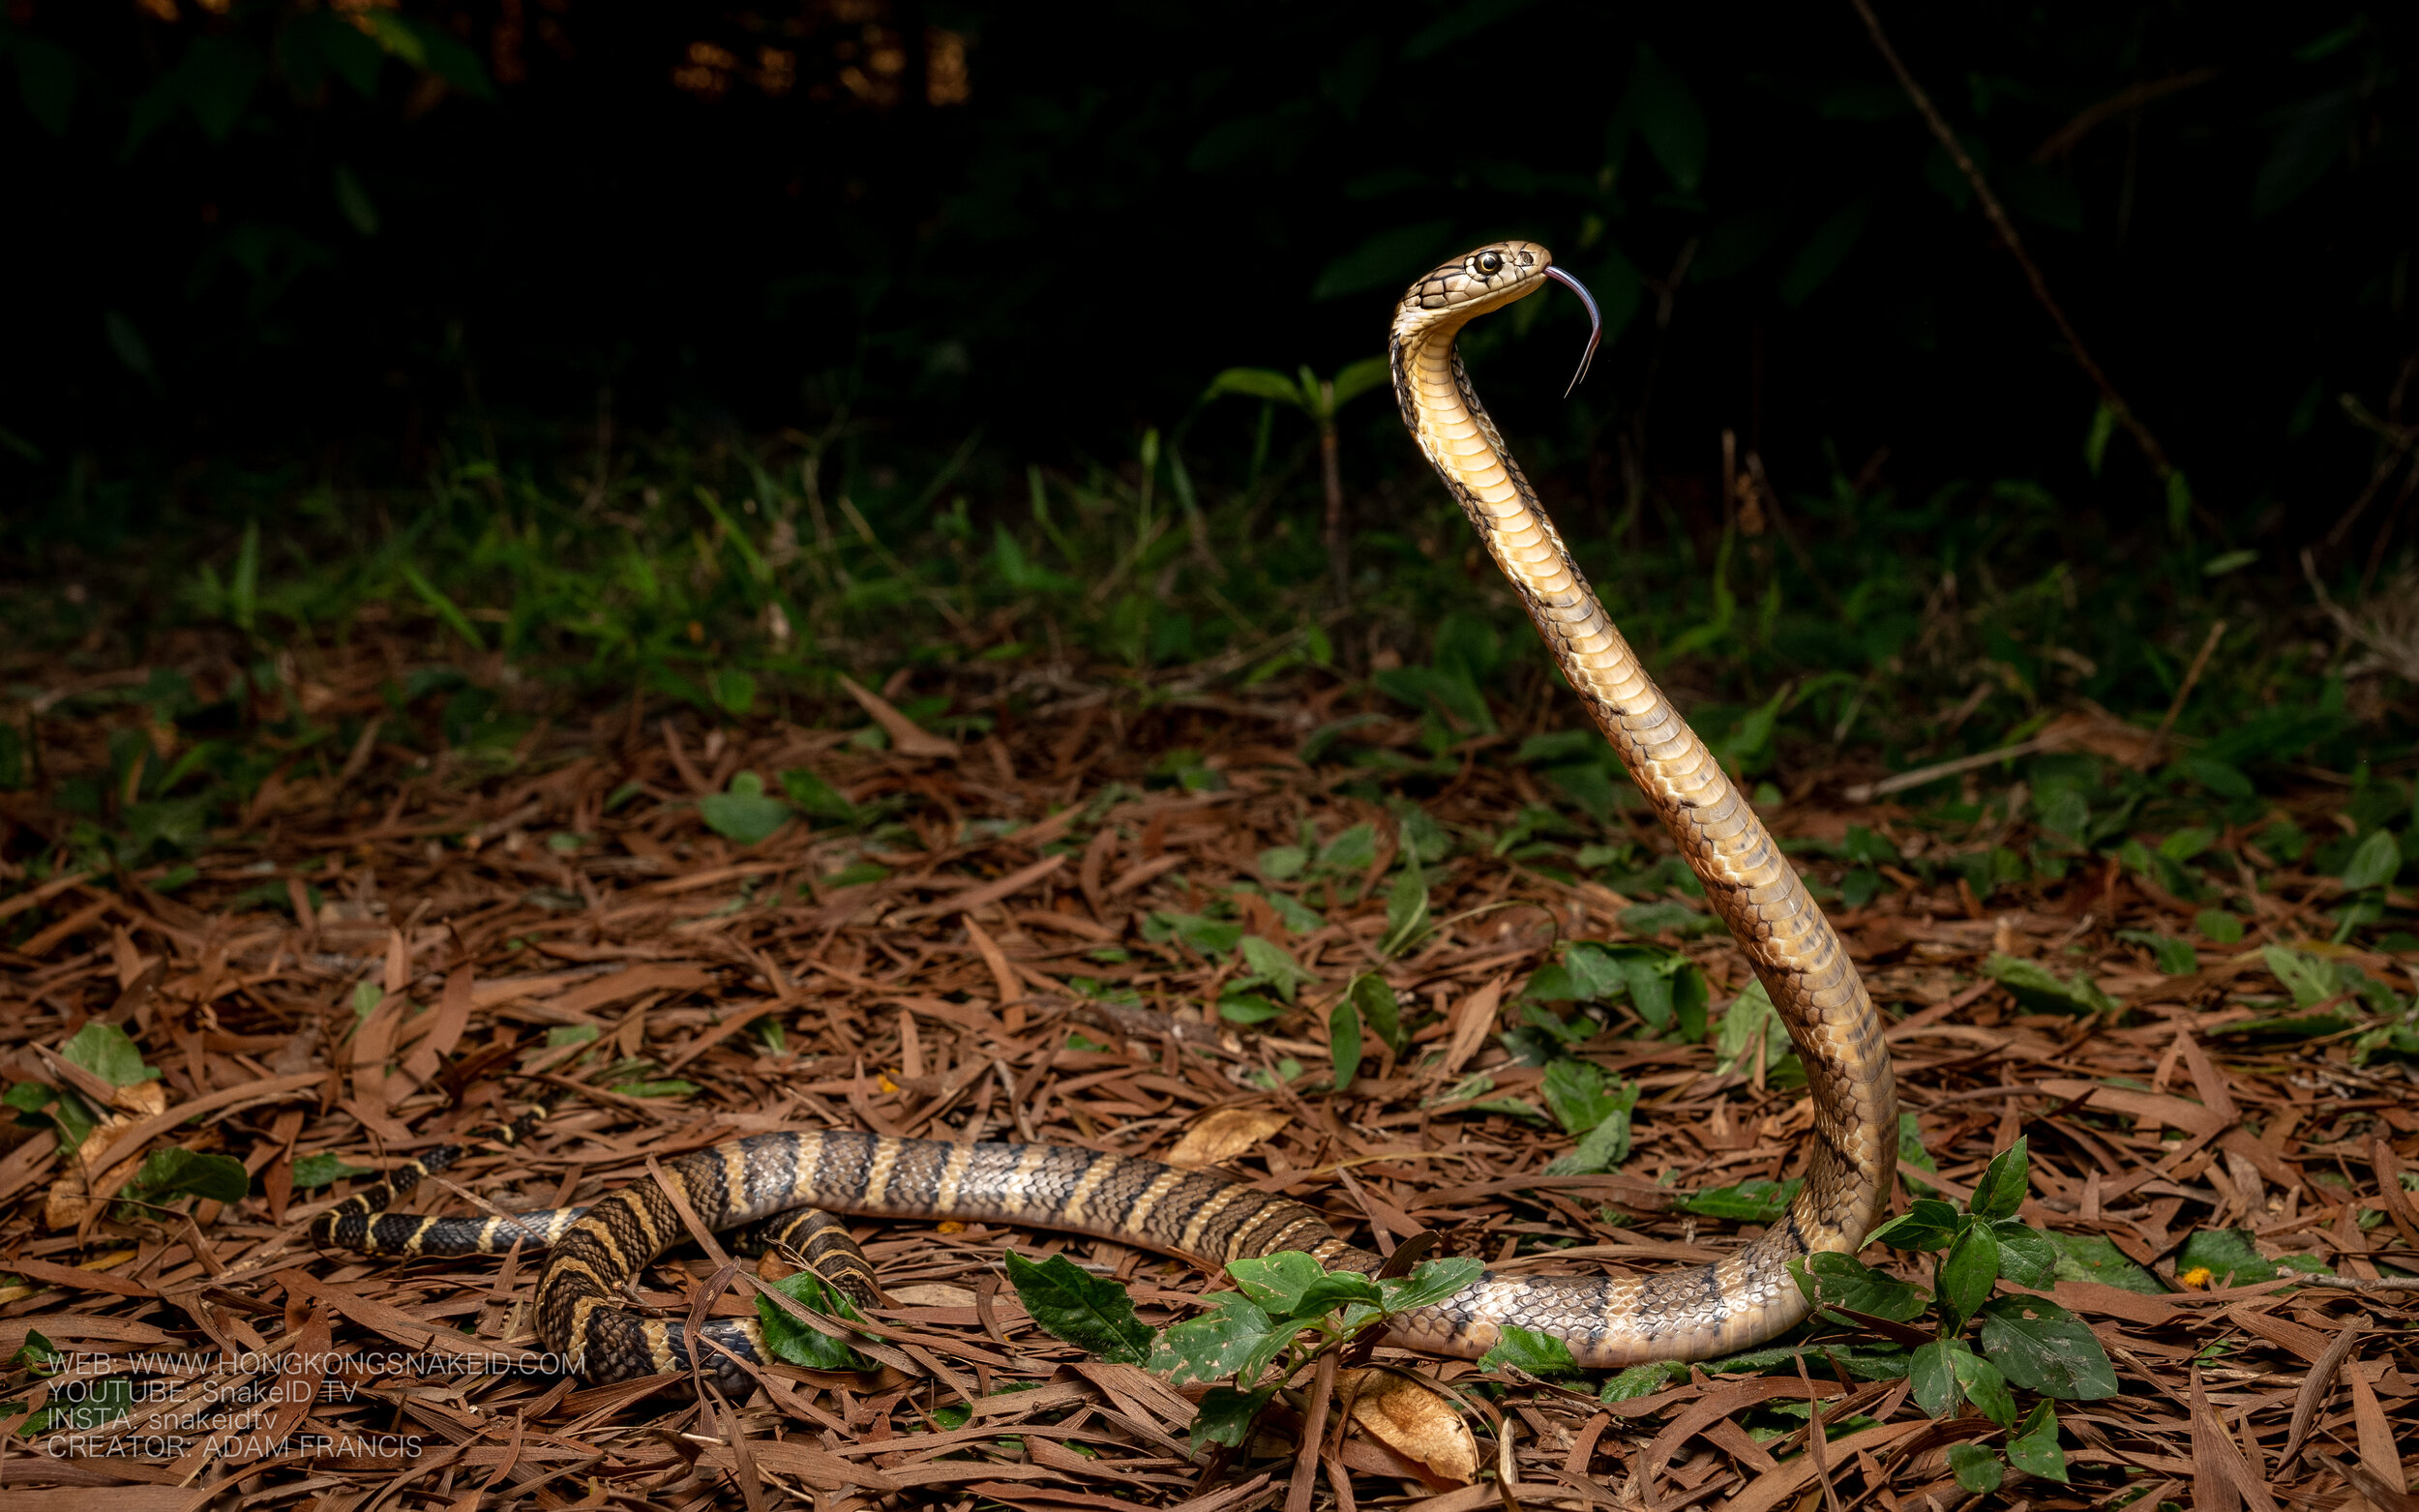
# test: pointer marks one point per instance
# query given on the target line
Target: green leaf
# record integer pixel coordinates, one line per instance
(104, 1050)
(2001, 1189)
(104, 1400)
(2187, 843)
(1970, 1271)
(1221, 1342)
(1429, 1283)
(1749, 1018)
(2033, 1447)
(2042, 1347)
(1271, 962)
(1261, 383)
(2227, 1255)
(1650, 919)
(1276, 1282)
(733, 690)
(1344, 1041)
(324, 1168)
(1596, 1107)
(2223, 778)
(1984, 1385)
(1643, 1381)
(2035, 987)
(1283, 863)
(672, 1087)
(1929, 1224)
(745, 815)
(1976, 1467)
(1823, 251)
(1580, 1094)
(1830, 1279)
(1379, 1009)
(1210, 937)
(1755, 1201)
(1539, 1354)
(2179, 503)
(817, 798)
(351, 198)
(1422, 837)
(1932, 1377)
(1593, 973)
(2091, 1257)
(2026, 1257)
(1406, 913)
(37, 1354)
(1247, 1008)
(1294, 915)
(446, 609)
(2374, 863)
(1354, 379)
(2096, 439)
(1601, 1148)
(2219, 926)
(2309, 978)
(1089, 1311)
(795, 1343)
(1388, 259)
(1665, 987)
(1290, 1284)
(75, 1118)
(172, 1173)
(1226, 1415)
(1351, 851)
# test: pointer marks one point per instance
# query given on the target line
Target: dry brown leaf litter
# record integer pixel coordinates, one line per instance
(940, 1000)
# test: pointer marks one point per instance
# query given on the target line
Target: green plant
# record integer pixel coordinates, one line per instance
(1286, 1312)
(2026, 1342)
(1320, 399)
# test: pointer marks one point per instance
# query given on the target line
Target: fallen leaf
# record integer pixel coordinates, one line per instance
(932, 1295)
(1224, 1133)
(1414, 1419)
(907, 737)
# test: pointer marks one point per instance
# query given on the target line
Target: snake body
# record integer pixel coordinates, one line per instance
(786, 1184)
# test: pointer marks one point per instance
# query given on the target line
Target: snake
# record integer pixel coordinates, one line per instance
(780, 1189)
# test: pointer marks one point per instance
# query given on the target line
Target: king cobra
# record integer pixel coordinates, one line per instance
(783, 1186)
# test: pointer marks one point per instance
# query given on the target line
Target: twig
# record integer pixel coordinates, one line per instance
(1313, 1429)
(2398, 440)
(2066, 138)
(2015, 244)
(2354, 1283)
(2200, 663)
(1866, 792)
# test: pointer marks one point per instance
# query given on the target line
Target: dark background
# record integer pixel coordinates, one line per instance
(304, 242)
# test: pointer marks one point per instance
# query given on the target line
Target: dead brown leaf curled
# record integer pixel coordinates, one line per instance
(1224, 1133)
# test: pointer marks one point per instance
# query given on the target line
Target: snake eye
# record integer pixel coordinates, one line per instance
(1490, 262)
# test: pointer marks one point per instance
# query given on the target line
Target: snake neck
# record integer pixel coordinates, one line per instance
(1791, 946)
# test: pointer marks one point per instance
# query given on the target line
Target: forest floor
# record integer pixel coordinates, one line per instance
(1154, 930)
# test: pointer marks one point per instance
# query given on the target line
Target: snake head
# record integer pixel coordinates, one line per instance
(1485, 279)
